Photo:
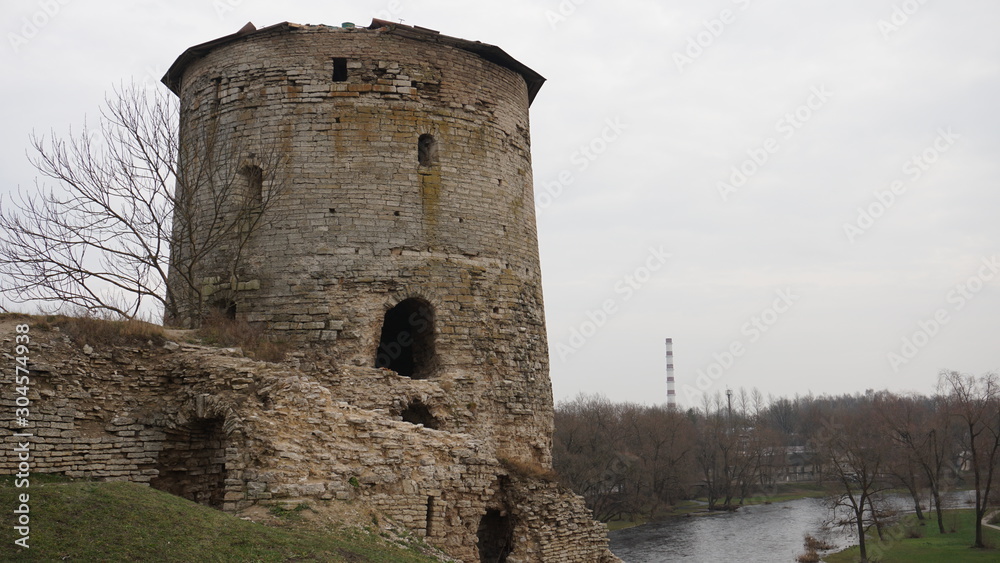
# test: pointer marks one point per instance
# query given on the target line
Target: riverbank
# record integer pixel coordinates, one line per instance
(914, 542)
(699, 507)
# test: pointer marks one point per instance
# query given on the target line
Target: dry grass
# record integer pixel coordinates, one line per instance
(15, 317)
(102, 333)
(816, 544)
(529, 470)
(218, 330)
(813, 545)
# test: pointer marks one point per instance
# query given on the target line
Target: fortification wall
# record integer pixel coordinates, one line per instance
(230, 432)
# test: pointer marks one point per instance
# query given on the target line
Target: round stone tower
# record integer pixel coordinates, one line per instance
(369, 190)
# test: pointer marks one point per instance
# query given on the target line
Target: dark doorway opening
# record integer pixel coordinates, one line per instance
(406, 345)
(496, 537)
(418, 413)
(192, 463)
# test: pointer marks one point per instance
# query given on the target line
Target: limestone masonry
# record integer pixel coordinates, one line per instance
(396, 244)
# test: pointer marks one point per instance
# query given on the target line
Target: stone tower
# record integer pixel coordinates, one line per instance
(365, 194)
(399, 230)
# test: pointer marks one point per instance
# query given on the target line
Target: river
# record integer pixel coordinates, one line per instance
(771, 533)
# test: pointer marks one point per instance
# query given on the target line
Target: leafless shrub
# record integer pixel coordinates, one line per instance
(817, 544)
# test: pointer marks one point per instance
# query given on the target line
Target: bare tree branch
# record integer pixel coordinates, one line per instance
(100, 238)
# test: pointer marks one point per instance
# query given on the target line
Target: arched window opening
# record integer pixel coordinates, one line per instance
(192, 463)
(427, 150)
(406, 345)
(418, 413)
(496, 537)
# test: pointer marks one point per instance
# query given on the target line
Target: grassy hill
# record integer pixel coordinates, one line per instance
(89, 521)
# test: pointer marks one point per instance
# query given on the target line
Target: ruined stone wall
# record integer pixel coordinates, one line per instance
(364, 222)
(558, 527)
(230, 432)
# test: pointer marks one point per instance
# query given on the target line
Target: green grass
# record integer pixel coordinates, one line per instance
(932, 547)
(682, 508)
(88, 521)
(614, 525)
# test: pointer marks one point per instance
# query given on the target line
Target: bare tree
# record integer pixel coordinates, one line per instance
(660, 441)
(782, 415)
(732, 452)
(715, 454)
(976, 403)
(101, 239)
(922, 431)
(856, 455)
(587, 453)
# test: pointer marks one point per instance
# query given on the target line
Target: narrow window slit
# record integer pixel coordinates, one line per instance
(430, 515)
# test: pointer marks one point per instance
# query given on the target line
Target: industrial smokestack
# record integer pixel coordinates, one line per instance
(671, 390)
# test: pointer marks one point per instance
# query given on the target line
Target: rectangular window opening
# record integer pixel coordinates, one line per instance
(339, 69)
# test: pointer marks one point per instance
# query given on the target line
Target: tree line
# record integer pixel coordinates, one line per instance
(630, 459)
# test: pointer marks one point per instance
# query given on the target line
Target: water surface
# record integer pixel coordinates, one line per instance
(764, 533)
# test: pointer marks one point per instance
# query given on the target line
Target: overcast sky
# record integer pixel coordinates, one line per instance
(803, 195)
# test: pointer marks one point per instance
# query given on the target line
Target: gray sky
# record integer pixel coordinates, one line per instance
(801, 194)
